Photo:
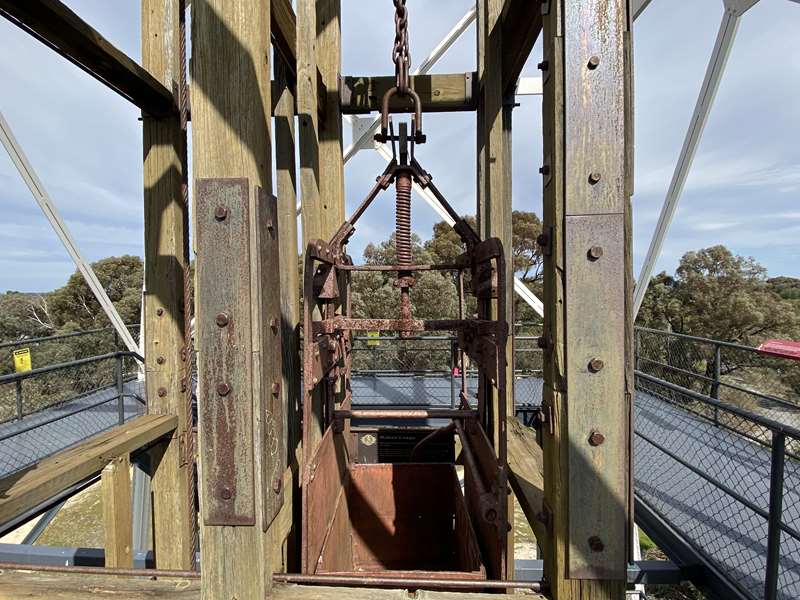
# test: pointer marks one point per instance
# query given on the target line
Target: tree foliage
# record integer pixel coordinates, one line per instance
(717, 294)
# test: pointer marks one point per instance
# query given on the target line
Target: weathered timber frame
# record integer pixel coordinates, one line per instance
(587, 132)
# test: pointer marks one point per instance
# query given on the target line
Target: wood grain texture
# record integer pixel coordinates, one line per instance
(331, 165)
(290, 301)
(559, 110)
(27, 489)
(58, 27)
(116, 500)
(232, 138)
(33, 585)
(526, 475)
(166, 260)
(522, 24)
(450, 92)
(494, 198)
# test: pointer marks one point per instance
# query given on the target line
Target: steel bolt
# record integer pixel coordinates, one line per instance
(226, 493)
(162, 392)
(595, 252)
(223, 389)
(160, 312)
(596, 365)
(596, 438)
(491, 515)
(276, 388)
(221, 213)
(594, 177)
(542, 240)
(544, 169)
(596, 544)
(270, 225)
(543, 66)
(542, 342)
(277, 485)
(273, 324)
(593, 63)
(222, 319)
(161, 360)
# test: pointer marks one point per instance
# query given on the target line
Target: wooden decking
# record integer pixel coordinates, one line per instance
(33, 585)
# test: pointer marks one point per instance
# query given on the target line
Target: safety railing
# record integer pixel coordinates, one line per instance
(726, 478)
(48, 409)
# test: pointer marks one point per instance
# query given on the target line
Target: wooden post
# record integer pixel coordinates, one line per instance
(494, 196)
(116, 499)
(587, 289)
(290, 300)
(321, 165)
(166, 261)
(242, 434)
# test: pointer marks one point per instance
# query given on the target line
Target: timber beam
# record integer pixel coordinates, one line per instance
(438, 93)
(521, 24)
(23, 491)
(56, 26)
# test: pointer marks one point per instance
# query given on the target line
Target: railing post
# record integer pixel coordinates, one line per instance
(452, 374)
(19, 399)
(120, 389)
(637, 348)
(775, 515)
(715, 383)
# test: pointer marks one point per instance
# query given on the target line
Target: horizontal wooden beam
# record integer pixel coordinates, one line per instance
(56, 26)
(438, 93)
(27, 489)
(526, 475)
(520, 28)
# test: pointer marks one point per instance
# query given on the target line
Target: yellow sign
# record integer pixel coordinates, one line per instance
(373, 334)
(22, 360)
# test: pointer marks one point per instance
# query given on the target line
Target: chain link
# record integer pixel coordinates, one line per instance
(400, 54)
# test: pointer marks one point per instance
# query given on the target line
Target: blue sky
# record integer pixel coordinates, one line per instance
(743, 192)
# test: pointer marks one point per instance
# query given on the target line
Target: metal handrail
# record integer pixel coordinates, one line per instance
(12, 377)
(699, 339)
(61, 336)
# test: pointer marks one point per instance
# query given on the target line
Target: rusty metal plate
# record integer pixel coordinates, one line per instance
(268, 356)
(594, 299)
(225, 399)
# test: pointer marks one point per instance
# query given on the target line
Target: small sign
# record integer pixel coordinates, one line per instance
(22, 360)
(373, 335)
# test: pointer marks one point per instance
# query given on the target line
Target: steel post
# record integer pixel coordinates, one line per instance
(775, 515)
(715, 383)
(19, 399)
(120, 390)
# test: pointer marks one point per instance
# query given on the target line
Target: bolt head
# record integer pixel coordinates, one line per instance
(596, 544)
(276, 388)
(277, 485)
(162, 392)
(221, 213)
(596, 438)
(222, 320)
(593, 63)
(596, 365)
(542, 66)
(542, 240)
(160, 312)
(161, 360)
(544, 169)
(226, 493)
(595, 252)
(491, 515)
(542, 342)
(273, 324)
(594, 177)
(223, 389)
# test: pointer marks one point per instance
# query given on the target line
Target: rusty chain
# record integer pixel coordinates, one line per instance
(400, 54)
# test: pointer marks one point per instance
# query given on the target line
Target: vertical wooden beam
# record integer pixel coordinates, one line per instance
(321, 165)
(290, 285)
(115, 488)
(329, 63)
(241, 421)
(308, 120)
(494, 193)
(587, 459)
(166, 260)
